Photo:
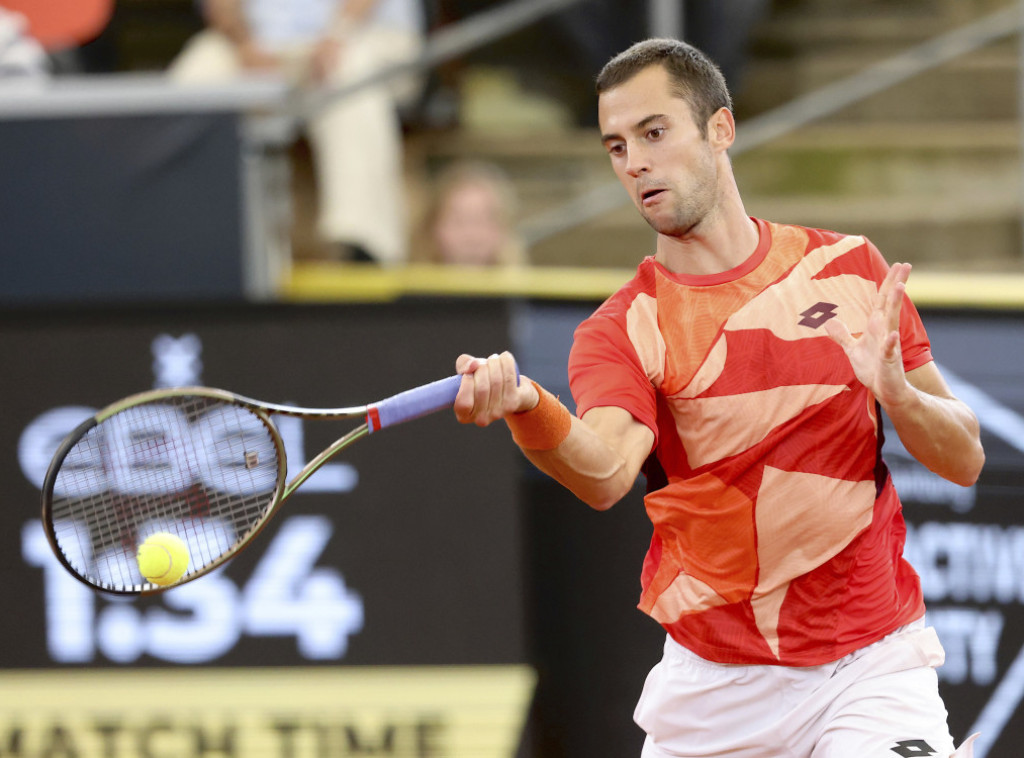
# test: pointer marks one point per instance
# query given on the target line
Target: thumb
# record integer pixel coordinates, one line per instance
(839, 332)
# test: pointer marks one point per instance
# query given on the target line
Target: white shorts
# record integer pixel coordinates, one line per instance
(879, 702)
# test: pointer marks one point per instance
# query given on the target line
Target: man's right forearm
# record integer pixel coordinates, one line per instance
(597, 459)
(596, 472)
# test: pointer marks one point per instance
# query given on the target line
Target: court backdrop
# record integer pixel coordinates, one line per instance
(427, 593)
(380, 612)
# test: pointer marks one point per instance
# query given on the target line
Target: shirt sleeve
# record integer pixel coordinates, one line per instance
(604, 370)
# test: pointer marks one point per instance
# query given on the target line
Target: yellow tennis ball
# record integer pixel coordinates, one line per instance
(163, 558)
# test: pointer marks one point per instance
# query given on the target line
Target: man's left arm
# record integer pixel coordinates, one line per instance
(937, 428)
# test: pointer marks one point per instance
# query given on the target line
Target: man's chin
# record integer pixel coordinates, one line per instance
(669, 228)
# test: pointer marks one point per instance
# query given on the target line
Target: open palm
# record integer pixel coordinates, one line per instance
(875, 354)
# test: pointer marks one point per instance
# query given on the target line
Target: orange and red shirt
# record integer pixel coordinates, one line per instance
(778, 535)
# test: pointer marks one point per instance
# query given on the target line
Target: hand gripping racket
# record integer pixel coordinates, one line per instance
(203, 464)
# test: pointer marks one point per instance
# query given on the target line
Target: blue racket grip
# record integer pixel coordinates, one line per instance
(419, 401)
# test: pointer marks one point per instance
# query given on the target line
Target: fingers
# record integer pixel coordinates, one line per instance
(885, 334)
(894, 306)
(467, 364)
(904, 272)
(490, 388)
(890, 294)
(891, 347)
(896, 276)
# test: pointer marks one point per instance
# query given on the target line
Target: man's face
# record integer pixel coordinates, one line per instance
(658, 153)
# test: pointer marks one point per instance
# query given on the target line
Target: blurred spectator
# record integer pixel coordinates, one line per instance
(21, 55)
(470, 219)
(61, 28)
(356, 142)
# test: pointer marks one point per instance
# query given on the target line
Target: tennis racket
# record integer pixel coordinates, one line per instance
(200, 463)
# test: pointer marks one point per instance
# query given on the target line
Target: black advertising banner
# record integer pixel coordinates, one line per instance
(380, 612)
(129, 208)
(968, 543)
(404, 550)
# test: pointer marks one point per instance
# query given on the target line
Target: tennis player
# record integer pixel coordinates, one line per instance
(744, 370)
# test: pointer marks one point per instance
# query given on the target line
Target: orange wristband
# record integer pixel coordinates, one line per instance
(543, 427)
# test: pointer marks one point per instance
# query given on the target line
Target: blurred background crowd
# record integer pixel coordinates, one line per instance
(465, 158)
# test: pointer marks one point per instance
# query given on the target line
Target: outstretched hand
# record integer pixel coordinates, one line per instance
(875, 354)
(491, 389)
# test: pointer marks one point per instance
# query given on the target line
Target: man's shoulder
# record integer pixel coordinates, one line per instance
(816, 236)
(620, 301)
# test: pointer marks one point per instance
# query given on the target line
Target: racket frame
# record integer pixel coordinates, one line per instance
(284, 488)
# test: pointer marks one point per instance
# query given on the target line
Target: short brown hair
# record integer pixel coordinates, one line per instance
(695, 77)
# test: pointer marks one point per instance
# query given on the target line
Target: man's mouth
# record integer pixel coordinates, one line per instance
(648, 197)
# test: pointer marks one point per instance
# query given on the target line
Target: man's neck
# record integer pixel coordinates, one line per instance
(710, 248)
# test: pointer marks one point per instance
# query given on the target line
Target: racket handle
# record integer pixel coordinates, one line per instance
(419, 401)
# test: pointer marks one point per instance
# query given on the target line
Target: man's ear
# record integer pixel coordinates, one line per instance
(722, 129)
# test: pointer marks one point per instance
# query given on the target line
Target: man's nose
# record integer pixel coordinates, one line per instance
(637, 163)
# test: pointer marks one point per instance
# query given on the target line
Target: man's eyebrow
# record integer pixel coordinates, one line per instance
(644, 123)
(639, 126)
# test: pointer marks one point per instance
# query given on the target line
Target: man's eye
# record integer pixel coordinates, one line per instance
(656, 132)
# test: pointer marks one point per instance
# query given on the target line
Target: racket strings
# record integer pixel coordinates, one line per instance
(201, 468)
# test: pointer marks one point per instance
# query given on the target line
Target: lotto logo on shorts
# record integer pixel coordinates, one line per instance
(908, 748)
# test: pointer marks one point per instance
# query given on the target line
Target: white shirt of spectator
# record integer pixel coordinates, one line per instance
(276, 24)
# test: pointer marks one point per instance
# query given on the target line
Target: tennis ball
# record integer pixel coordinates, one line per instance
(163, 558)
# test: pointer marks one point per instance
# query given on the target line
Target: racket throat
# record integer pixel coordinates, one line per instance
(314, 465)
